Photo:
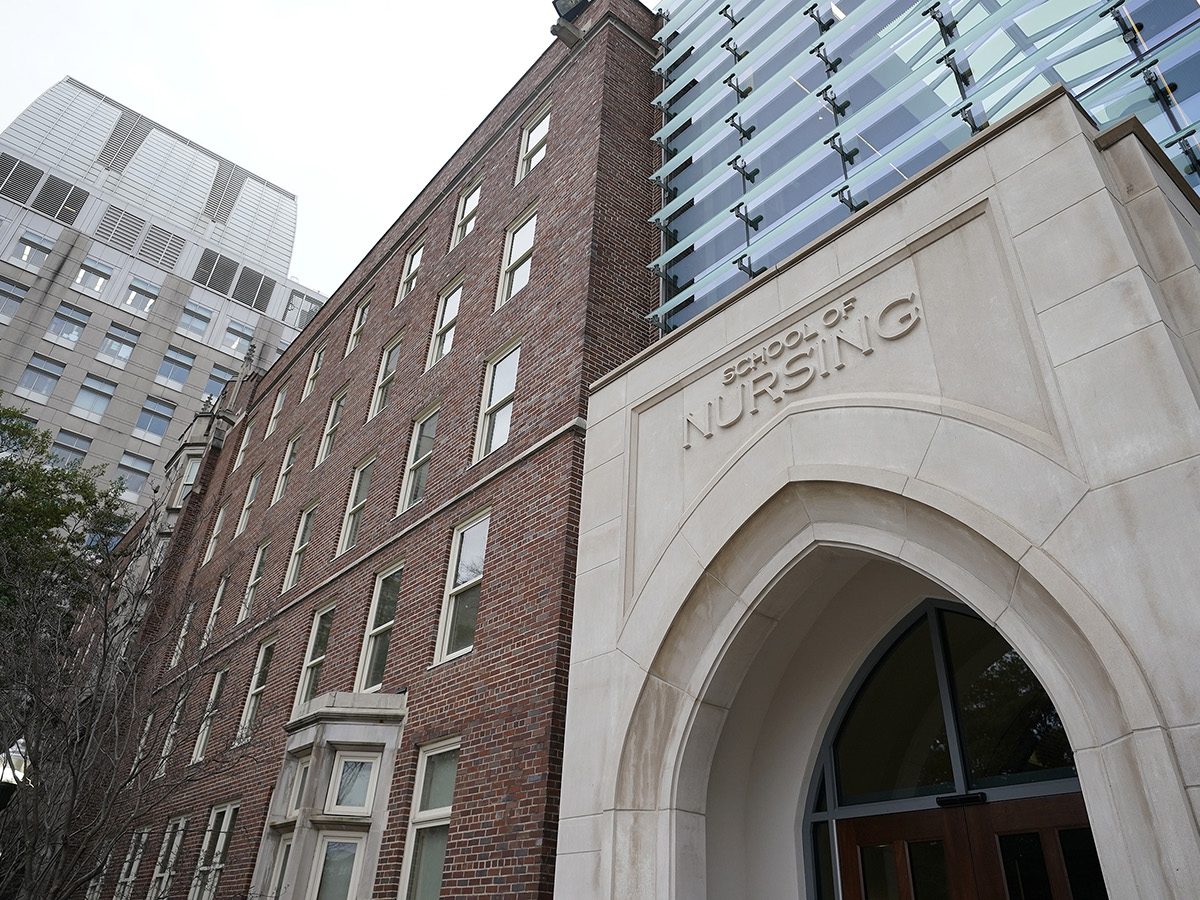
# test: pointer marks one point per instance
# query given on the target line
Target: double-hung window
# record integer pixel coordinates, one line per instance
(238, 337)
(244, 443)
(92, 400)
(258, 684)
(533, 143)
(215, 610)
(412, 266)
(93, 275)
(168, 855)
(300, 547)
(276, 410)
(175, 368)
(419, 453)
(358, 325)
(314, 369)
(332, 421)
(518, 258)
(338, 866)
(133, 861)
(248, 502)
(213, 851)
(386, 377)
(11, 295)
(39, 379)
(496, 418)
(460, 607)
(195, 320)
(296, 796)
(67, 325)
(216, 534)
(191, 469)
(154, 420)
(32, 249)
(279, 872)
(468, 208)
(314, 659)
(443, 328)
(169, 740)
(257, 570)
(429, 823)
(217, 379)
(141, 295)
(210, 710)
(379, 630)
(360, 487)
(117, 345)
(69, 449)
(177, 653)
(134, 471)
(290, 452)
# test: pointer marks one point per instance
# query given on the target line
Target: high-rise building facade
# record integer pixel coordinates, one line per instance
(139, 272)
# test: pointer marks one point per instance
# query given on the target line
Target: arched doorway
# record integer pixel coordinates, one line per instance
(947, 773)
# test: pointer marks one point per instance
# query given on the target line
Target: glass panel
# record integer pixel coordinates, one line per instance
(429, 854)
(879, 873)
(1024, 866)
(893, 743)
(927, 865)
(822, 804)
(462, 622)
(470, 553)
(354, 781)
(504, 377)
(437, 790)
(1083, 866)
(823, 851)
(499, 426)
(378, 661)
(1011, 731)
(337, 872)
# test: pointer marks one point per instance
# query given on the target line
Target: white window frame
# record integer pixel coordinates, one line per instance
(139, 755)
(415, 462)
(386, 377)
(283, 854)
(290, 454)
(133, 861)
(248, 502)
(511, 266)
(327, 837)
(361, 312)
(452, 592)
(241, 453)
(443, 327)
(303, 534)
(177, 653)
(273, 421)
(254, 692)
(466, 215)
(314, 369)
(429, 818)
(208, 875)
(212, 538)
(298, 785)
(329, 435)
(309, 662)
(339, 761)
(355, 505)
(412, 269)
(530, 157)
(210, 710)
(168, 855)
(489, 407)
(169, 741)
(191, 471)
(256, 576)
(375, 630)
(213, 612)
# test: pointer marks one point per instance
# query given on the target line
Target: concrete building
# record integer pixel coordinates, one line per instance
(139, 272)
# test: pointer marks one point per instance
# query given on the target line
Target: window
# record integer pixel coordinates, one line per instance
(379, 630)
(133, 860)
(300, 547)
(258, 684)
(533, 144)
(39, 378)
(238, 337)
(211, 625)
(314, 369)
(352, 785)
(244, 443)
(257, 571)
(463, 581)
(518, 257)
(210, 710)
(412, 266)
(360, 322)
(331, 426)
(282, 855)
(134, 471)
(216, 533)
(273, 422)
(429, 823)
(32, 249)
(191, 469)
(168, 855)
(11, 295)
(169, 741)
(143, 740)
(66, 328)
(154, 420)
(175, 368)
(248, 502)
(499, 387)
(141, 295)
(93, 275)
(117, 345)
(195, 320)
(419, 452)
(92, 399)
(217, 379)
(468, 206)
(339, 859)
(177, 653)
(443, 329)
(387, 375)
(301, 308)
(299, 782)
(290, 452)
(314, 659)
(212, 852)
(360, 486)
(69, 448)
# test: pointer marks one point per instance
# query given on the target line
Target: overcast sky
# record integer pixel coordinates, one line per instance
(352, 105)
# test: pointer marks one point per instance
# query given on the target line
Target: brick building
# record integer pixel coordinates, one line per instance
(375, 568)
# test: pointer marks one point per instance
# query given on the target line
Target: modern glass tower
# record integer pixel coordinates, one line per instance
(783, 117)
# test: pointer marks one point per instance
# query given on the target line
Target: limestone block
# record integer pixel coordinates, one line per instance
(658, 603)
(608, 399)
(1181, 294)
(968, 180)
(607, 438)
(1186, 741)
(1049, 127)
(751, 311)
(745, 553)
(600, 545)
(1099, 316)
(1050, 184)
(599, 611)
(603, 495)
(806, 277)
(688, 649)
(580, 876)
(657, 502)
(1168, 241)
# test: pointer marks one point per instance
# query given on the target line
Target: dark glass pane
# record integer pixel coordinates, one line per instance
(1010, 729)
(822, 803)
(879, 873)
(462, 620)
(1024, 867)
(892, 743)
(927, 864)
(823, 855)
(1083, 865)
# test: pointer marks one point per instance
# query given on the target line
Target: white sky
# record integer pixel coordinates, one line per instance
(352, 105)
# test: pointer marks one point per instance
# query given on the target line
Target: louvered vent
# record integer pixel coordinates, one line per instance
(222, 276)
(22, 178)
(224, 191)
(127, 136)
(60, 200)
(205, 267)
(6, 166)
(120, 228)
(265, 290)
(162, 247)
(247, 286)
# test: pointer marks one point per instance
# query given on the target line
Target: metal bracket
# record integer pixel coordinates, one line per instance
(839, 109)
(667, 231)
(741, 212)
(823, 24)
(735, 121)
(834, 142)
(1186, 148)
(738, 53)
(1160, 91)
(1129, 28)
(967, 114)
(844, 197)
(669, 192)
(962, 74)
(731, 81)
(671, 280)
(831, 65)
(739, 166)
(947, 26)
(727, 12)
(746, 264)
